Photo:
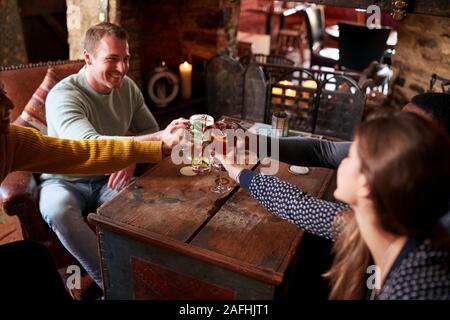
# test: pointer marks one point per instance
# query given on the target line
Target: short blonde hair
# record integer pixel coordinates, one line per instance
(96, 33)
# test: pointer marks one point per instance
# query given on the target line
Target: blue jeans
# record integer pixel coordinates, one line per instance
(62, 204)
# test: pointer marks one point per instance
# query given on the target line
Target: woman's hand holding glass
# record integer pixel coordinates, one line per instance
(227, 161)
(220, 141)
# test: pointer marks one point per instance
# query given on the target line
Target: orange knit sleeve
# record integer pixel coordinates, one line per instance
(32, 151)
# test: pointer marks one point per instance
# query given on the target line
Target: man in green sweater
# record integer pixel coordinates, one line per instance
(26, 149)
(98, 102)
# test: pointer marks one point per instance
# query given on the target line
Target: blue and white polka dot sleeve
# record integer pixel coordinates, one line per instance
(291, 203)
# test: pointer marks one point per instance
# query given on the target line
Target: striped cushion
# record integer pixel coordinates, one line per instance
(33, 115)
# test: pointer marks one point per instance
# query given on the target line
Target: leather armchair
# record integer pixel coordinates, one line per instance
(19, 196)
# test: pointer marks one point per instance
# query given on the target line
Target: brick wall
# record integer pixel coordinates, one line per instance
(177, 30)
(81, 14)
(129, 17)
(170, 30)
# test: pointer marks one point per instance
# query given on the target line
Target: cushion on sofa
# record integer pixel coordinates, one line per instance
(33, 115)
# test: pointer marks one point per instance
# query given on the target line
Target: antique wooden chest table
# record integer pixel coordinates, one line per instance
(167, 236)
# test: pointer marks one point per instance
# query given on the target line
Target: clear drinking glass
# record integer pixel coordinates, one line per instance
(219, 135)
(200, 138)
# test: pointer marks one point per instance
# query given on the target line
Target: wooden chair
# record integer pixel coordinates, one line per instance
(288, 40)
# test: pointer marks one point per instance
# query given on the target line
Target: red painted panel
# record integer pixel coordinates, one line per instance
(154, 282)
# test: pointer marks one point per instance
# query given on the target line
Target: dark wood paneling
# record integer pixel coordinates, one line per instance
(29, 8)
(44, 29)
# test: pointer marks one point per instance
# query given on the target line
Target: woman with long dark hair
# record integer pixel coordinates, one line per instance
(394, 188)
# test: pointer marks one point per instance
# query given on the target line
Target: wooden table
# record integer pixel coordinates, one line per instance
(167, 236)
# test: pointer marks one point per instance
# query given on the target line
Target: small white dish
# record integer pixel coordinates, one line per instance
(187, 171)
(298, 170)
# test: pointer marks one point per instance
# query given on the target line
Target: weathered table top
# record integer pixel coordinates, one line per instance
(232, 230)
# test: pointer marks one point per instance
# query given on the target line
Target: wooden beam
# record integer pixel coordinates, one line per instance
(56, 28)
(429, 7)
(29, 8)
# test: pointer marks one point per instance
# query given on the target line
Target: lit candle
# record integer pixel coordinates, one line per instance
(186, 80)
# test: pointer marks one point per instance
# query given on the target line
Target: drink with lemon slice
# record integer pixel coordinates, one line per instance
(200, 137)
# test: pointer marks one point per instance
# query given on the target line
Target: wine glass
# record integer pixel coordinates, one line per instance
(219, 136)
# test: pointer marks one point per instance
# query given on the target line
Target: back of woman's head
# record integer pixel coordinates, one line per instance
(406, 160)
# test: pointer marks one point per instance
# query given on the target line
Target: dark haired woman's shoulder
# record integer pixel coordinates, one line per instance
(423, 274)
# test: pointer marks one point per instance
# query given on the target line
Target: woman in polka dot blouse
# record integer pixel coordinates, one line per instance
(394, 187)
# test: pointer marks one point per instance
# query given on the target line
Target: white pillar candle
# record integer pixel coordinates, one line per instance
(186, 80)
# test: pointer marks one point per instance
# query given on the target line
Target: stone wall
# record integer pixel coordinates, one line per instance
(129, 14)
(12, 44)
(81, 14)
(170, 30)
(423, 49)
(178, 30)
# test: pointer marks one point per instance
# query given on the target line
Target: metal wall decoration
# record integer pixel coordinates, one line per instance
(163, 85)
(224, 83)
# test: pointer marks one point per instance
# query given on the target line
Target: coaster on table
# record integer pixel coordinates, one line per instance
(298, 170)
(187, 171)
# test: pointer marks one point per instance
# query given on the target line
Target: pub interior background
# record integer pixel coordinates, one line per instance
(271, 51)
